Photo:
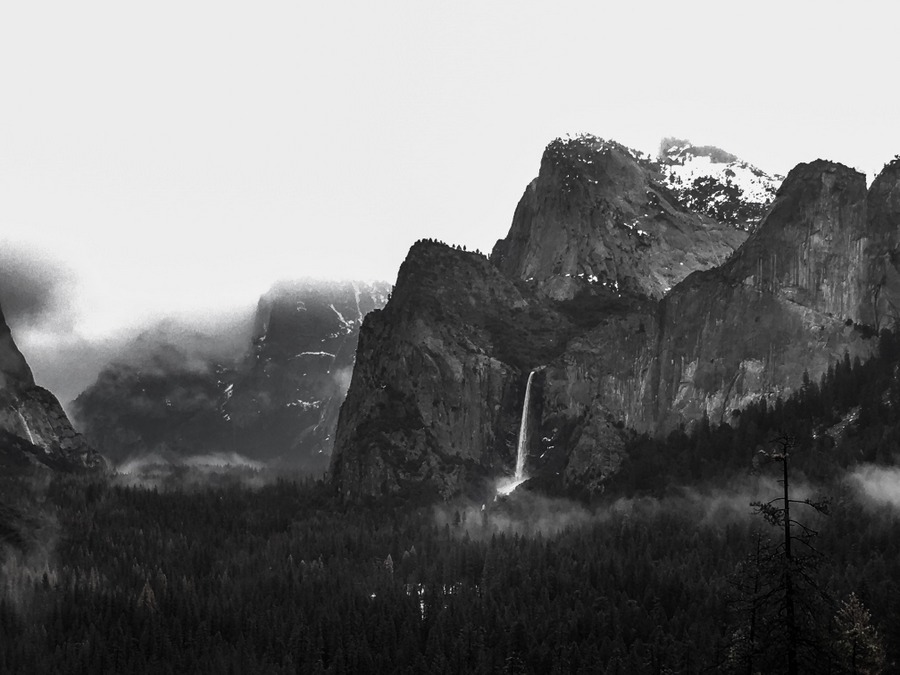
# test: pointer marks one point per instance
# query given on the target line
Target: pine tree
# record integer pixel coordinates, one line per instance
(147, 598)
(859, 647)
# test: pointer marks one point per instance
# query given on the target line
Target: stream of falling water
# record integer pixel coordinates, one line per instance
(522, 448)
(510, 484)
(25, 424)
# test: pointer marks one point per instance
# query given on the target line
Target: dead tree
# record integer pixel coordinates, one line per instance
(778, 600)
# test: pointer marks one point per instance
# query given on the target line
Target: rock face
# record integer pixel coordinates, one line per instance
(599, 214)
(278, 403)
(439, 378)
(282, 402)
(748, 328)
(163, 405)
(883, 254)
(789, 302)
(812, 249)
(34, 430)
(436, 397)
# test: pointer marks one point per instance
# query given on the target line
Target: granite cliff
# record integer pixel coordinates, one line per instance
(647, 322)
(440, 373)
(34, 429)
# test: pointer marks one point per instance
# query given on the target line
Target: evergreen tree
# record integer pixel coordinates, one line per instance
(859, 648)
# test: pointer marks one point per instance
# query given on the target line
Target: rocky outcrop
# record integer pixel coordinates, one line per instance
(883, 280)
(440, 375)
(34, 430)
(278, 403)
(436, 397)
(812, 247)
(599, 215)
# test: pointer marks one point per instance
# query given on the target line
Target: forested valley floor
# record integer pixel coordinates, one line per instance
(664, 572)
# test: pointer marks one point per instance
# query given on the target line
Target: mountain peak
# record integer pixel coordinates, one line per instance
(716, 183)
(599, 215)
(678, 150)
(809, 249)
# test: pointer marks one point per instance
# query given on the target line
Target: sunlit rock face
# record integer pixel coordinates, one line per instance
(34, 430)
(640, 313)
(277, 403)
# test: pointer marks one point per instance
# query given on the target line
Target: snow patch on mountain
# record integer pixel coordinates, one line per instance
(714, 182)
(347, 325)
(304, 405)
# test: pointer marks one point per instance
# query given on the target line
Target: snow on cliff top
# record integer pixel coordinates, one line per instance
(682, 163)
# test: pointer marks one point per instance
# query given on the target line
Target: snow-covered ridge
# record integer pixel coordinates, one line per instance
(683, 164)
(704, 179)
(717, 183)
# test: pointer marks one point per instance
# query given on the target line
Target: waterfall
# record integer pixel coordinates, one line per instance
(522, 448)
(509, 484)
(25, 425)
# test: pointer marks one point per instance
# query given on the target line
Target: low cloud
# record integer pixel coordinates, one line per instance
(194, 472)
(35, 288)
(213, 460)
(878, 484)
(67, 363)
(221, 460)
(523, 513)
(173, 344)
(715, 506)
(40, 303)
(529, 514)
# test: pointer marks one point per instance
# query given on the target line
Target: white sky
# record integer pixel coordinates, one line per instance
(184, 155)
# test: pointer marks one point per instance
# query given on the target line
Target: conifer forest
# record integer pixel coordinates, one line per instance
(678, 567)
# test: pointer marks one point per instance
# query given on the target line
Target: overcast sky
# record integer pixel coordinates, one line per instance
(175, 157)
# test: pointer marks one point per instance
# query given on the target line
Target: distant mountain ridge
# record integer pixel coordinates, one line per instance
(277, 403)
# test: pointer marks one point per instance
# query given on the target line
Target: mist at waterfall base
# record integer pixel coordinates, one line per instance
(528, 513)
